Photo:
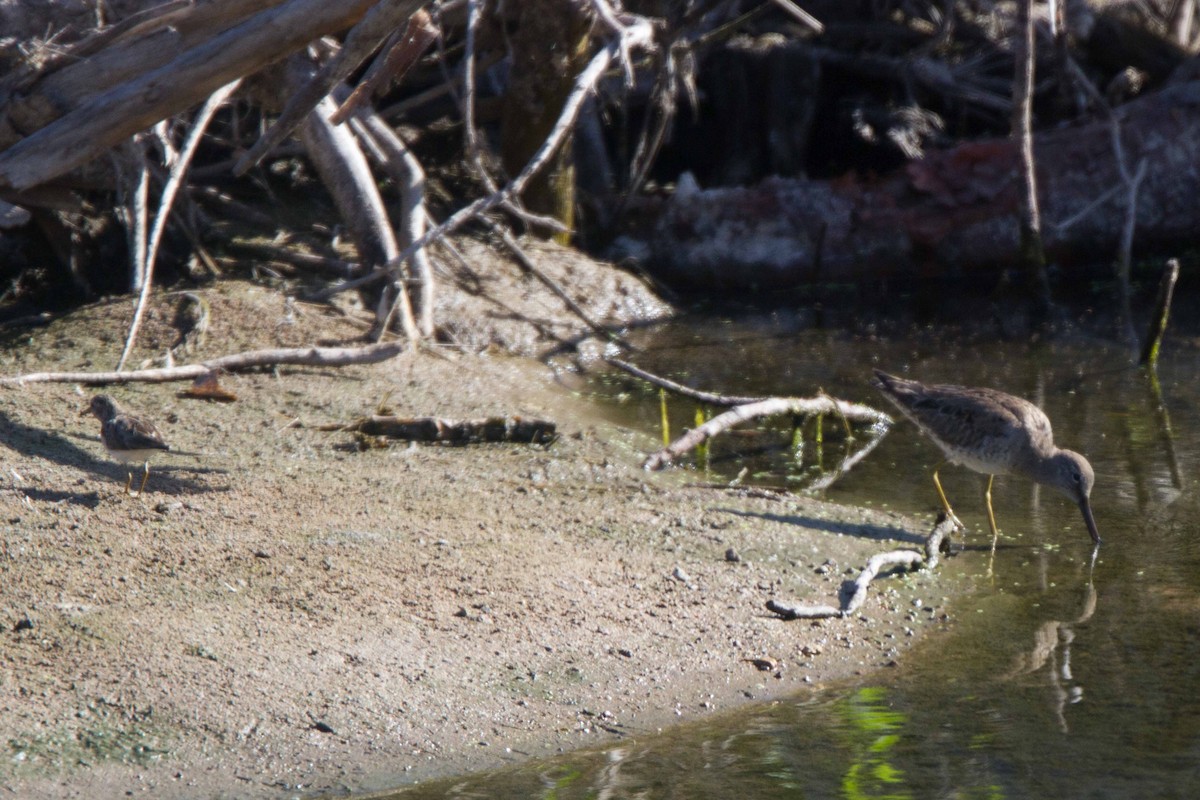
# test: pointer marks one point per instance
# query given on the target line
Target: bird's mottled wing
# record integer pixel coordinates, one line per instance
(127, 432)
(954, 415)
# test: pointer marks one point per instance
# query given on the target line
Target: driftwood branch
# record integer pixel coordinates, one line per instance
(149, 256)
(469, 431)
(104, 119)
(770, 407)
(876, 565)
(304, 356)
(409, 177)
(1032, 248)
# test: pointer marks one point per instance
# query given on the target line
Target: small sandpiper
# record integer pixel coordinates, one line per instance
(127, 438)
(988, 431)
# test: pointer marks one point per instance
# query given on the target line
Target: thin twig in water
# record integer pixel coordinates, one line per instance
(723, 400)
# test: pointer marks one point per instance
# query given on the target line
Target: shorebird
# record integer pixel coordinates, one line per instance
(995, 433)
(127, 438)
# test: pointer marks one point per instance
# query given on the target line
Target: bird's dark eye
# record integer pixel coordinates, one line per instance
(1077, 477)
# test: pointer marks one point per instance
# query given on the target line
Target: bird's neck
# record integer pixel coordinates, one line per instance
(1040, 467)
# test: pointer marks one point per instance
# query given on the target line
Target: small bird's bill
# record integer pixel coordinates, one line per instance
(1089, 520)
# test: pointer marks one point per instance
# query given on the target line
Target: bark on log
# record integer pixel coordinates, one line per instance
(102, 120)
(455, 431)
(44, 96)
(954, 210)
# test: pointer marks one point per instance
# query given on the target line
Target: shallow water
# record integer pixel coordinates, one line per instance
(1059, 677)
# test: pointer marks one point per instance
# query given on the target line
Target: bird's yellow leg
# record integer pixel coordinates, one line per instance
(942, 496)
(991, 515)
(146, 477)
(128, 481)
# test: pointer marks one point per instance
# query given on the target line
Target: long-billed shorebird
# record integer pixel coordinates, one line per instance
(988, 431)
(127, 438)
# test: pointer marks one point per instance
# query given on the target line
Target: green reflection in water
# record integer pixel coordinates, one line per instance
(873, 730)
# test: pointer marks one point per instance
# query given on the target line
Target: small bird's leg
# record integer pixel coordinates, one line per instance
(945, 502)
(991, 516)
(146, 477)
(128, 481)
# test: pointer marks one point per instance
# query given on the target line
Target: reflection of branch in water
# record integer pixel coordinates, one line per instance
(850, 459)
(1164, 426)
(1050, 638)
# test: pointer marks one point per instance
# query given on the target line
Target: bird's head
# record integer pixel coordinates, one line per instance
(102, 407)
(1073, 476)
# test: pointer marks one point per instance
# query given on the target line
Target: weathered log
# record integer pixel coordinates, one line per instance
(954, 210)
(98, 121)
(452, 431)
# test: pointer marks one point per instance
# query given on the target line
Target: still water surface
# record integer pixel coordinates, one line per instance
(1059, 678)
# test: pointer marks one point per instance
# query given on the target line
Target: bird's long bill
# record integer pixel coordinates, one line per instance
(1089, 520)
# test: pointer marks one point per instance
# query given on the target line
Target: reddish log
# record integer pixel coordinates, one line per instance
(954, 210)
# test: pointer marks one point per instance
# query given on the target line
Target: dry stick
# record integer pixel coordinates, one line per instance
(1032, 250)
(800, 15)
(1131, 183)
(406, 172)
(346, 174)
(772, 406)
(398, 54)
(380, 22)
(299, 258)
(680, 389)
(638, 34)
(498, 197)
(178, 172)
(461, 431)
(1162, 312)
(135, 25)
(908, 559)
(305, 356)
(1125, 248)
(139, 213)
(471, 132)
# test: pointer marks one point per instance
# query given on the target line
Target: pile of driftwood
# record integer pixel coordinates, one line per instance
(100, 112)
(145, 113)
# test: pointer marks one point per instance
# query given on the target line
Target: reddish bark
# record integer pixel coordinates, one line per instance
(952, 211)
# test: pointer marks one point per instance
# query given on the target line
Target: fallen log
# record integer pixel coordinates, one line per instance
(954, 211)
(451, 431)
(101, 120)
